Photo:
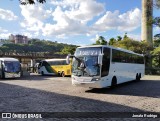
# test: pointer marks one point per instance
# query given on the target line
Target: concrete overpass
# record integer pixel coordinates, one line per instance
(30, 59)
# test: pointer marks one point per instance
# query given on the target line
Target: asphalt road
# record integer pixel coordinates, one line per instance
(37, 93)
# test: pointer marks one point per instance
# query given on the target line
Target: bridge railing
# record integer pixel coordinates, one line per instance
(30, 54)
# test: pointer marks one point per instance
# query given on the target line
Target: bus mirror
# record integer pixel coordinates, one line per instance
(68, 59)
(100, 59)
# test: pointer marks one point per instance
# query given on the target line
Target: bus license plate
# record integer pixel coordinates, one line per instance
(84, 80)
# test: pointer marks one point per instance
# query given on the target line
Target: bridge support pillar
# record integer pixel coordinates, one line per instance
(32, 65)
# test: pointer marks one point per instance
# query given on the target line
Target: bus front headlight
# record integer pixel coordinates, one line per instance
(95, 79)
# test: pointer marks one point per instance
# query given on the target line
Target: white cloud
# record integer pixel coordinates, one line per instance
(134, 36)
(5, 35)
(82, 10)
(34, 15)
(29, 35)
(86, 10)
(94, 38)
(156, 29)
(64, 25)
(128, 21)
(75, 17)
(71, 16)
(62, 36)
(3, 30)
(7, 15)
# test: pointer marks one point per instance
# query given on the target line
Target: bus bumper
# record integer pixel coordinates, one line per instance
(12, 75)
(93, 84)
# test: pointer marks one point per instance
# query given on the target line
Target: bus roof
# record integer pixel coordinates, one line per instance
(120, 49)
(8, 59)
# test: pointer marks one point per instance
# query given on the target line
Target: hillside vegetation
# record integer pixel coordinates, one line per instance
(36, 45)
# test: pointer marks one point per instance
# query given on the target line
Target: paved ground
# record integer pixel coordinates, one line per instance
(37, 93)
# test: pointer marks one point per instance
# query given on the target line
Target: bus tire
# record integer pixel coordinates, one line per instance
(42, 73)
(3, 75)
(137, 77)
(59, 74)
(114, 82)
(63, 74)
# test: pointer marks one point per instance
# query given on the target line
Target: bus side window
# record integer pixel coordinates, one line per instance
(57, 62)
(64, 62)
(44, 63)
(106, 62)
(122, 57)
(115, 56)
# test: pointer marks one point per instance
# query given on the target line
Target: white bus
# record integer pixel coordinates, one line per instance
(101, 66)
(10, 68)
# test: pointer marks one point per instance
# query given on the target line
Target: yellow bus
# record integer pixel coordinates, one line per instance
(54, 67)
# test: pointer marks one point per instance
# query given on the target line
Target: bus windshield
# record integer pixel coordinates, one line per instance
(85, 62)
(13, 66)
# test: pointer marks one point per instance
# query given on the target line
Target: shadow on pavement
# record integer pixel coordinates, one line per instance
(15, 98)
(35, 77)
(146, 88)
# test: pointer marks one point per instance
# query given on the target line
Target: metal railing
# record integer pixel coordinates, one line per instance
(31, 54)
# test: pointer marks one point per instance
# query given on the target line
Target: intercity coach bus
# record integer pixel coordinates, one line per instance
(102, 66)
(10, 68)
(54, 67)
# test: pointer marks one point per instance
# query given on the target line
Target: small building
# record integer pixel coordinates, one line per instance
(18, 39)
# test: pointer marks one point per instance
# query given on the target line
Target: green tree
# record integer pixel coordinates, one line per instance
(119, 38)
(68, 50)
(156, 57)
(156, 40)
(112, 41)
(125, 36)
(133, 45)
(101, 41)
(97, 42)
(35, 46)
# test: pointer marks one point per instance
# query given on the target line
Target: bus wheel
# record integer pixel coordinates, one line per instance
(42, 73)
(63, 74)
(3, 75)
(59, 74)
(114, 82)
(137, 77)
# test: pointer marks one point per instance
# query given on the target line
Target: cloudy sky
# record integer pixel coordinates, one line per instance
(72, 21)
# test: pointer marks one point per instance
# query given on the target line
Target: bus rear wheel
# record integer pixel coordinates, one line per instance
(137, 77)
(114, 82)
(3, 75)
(42, 73)
(59, 74)
(63, 74)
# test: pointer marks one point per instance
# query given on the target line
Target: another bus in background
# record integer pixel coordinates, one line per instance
(54, 67)
(101, 66)
(10, 68)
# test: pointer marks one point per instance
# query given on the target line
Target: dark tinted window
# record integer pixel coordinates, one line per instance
(124, 57)
(106, 61)
(44, 63)
(58, 62)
